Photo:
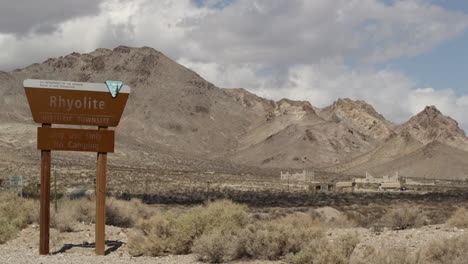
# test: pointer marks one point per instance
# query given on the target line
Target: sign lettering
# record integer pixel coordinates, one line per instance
(75, 139)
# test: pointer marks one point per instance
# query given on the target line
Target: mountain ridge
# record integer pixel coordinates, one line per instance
(174, 111)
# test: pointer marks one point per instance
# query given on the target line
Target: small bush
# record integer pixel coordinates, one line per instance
(261, 240)
(63, 220)
(118, 213)
(175, 232)
(32, 190)
(404, 217)
(324, 251)
(364, 215)
(14, 207)
(334, 218)
(441, 251)
(459, 218)
(153, 238)
(274, 239)
(395, 255)
(347, 243)
(8, 229)
(214, 247)
(15, 214)
(126, 214)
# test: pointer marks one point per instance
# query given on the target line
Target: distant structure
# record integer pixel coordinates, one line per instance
(304, 176)
(386, 182)
(385, 179)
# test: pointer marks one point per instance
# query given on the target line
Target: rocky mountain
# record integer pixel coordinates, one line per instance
(359, 115)
(431, 125)
(175, 119)
(429, 145)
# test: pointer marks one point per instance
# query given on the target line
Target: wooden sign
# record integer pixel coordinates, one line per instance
(75, 103)
(75, 139)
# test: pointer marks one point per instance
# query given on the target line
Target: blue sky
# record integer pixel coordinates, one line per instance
(398, 55)
(446, 66)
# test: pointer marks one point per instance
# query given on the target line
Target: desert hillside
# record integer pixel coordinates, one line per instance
(177, 120)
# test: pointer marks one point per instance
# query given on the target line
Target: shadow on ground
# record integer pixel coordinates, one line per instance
(112, 244)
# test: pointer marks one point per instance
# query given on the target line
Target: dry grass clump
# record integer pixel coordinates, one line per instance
(395, 255)
(459, 218)
(261, 240)
(325, 251)
(216, 246)
(403, 217)
(15, 214)
(450, 250)
(118, 213)
(126, 213)
(364, 215)
(334, 218)
(71, 212)
(174, 232)
(439, 251)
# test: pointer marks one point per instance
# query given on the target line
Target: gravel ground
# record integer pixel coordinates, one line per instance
(76, 247)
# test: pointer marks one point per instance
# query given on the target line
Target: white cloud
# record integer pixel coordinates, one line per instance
(463, 101)
(265, 31)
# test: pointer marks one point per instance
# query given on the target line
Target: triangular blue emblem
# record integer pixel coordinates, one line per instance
(114, 87)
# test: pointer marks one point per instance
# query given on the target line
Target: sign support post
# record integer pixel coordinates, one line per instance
(101, 201)
(45, 201)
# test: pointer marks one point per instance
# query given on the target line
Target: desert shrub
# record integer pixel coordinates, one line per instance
(85, 210)
(459, 218)
(118, 213)
(347, 243)
(32, 190)
(8, 229)
(440, 251)
(382, 255)
(215, 246)
(437, 214)
(153, 238)
(63, 220)
(404, 217)
(15, 214)
(175, 232)
(364, 215)
(126, 213)
(77, 210)
(324, 251)
(14, 207)
(70, 212)
(261, 240)
(274, 239)
(320, 252)
(331, 216)
(265, 241)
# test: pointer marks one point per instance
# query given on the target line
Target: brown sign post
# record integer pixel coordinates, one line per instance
(75, 103)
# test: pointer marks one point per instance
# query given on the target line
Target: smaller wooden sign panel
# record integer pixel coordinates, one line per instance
(75, 139)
